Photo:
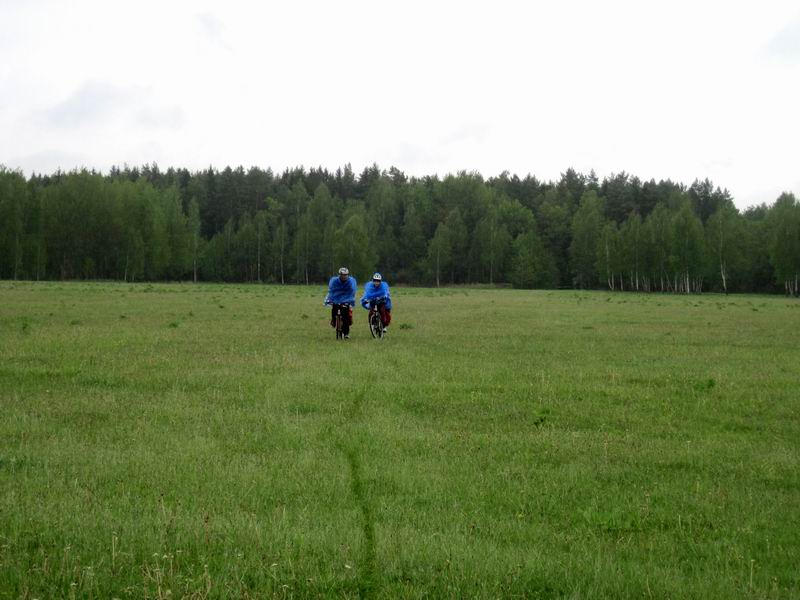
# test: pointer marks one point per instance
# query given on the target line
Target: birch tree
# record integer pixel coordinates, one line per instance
(785, 242)
(724, 236)
(440, 251)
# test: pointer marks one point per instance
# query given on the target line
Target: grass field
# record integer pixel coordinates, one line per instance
(212, 441)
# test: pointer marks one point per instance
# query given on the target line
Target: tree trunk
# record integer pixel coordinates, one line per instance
(16, 255)
(724, 277)
(305, 258)
(194, 258)
(438, 252)
(283, 250)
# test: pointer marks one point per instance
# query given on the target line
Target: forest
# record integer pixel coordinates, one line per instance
(300, 225)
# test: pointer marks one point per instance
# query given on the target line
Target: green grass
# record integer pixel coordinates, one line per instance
(216, 441)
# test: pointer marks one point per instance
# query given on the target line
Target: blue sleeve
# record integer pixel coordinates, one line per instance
(385, 290)
(371, 294)
(327, 299)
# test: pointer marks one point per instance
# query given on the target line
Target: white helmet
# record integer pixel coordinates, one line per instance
(377, 277)
(344, 271)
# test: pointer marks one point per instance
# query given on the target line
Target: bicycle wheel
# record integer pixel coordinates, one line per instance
(372, 325)
(339, 334)
(381, 328)
(376, 325)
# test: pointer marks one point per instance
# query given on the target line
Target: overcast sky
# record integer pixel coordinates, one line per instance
(677, 90)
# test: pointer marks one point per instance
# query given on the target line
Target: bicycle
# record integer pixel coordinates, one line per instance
(342, 312)
(376, 327)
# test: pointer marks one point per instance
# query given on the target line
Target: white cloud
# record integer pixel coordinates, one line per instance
(785, 46)
(212, 28)
(49, 161)
(94, 101)
(468, 132)
(160, 117)
(97, 106)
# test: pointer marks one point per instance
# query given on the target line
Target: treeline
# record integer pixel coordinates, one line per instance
(298, 226)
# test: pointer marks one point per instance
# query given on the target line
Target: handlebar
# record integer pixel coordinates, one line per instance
(375, 301)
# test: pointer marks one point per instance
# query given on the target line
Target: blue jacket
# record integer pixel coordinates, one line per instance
(341, 292)
(373, 293)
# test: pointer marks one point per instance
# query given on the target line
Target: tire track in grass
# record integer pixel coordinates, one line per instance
(367, 580)
(367, 584)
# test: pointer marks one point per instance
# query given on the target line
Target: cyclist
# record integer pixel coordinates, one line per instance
(376, 297)
(342, 292)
